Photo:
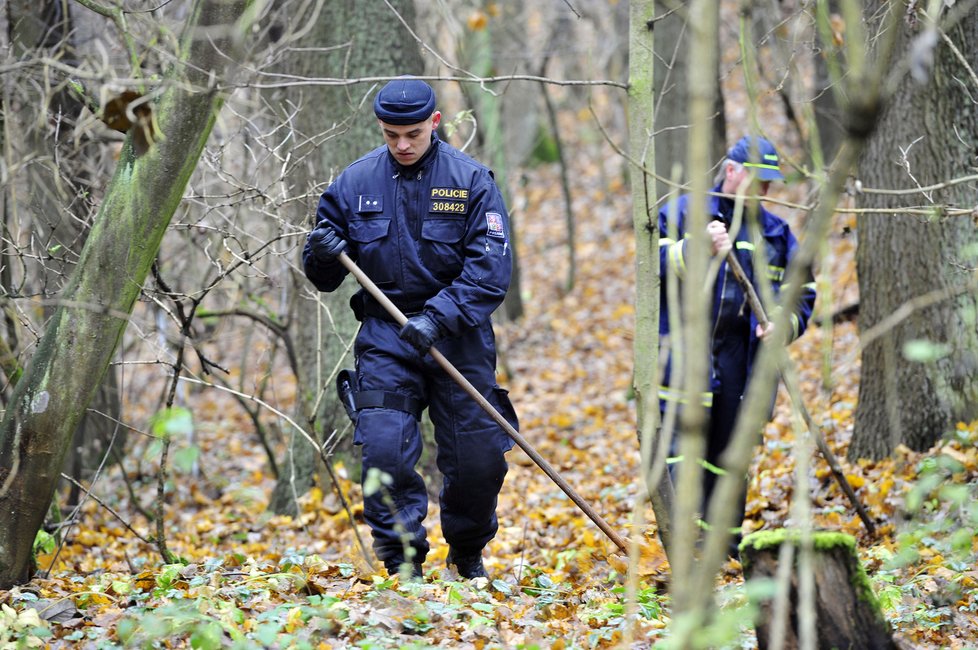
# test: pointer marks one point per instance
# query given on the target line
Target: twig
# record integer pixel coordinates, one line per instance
(571, 7)
(99, 501)
(336, 81)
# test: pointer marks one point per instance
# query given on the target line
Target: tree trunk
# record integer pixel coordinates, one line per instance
(671, 79)
(929, 134)
(641, 102)
(826, 108)
(846, 612)
(84, 332)
(324, 322)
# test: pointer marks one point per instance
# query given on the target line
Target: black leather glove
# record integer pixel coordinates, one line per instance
(421, 332)
(325, 243)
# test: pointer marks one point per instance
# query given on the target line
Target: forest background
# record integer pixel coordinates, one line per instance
(191, 506)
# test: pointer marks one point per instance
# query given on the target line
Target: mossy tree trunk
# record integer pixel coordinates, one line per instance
(847, 614)
(84, 332)
(336, 126)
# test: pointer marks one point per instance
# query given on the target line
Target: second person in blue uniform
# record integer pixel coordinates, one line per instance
(735, 332)
(427, 224)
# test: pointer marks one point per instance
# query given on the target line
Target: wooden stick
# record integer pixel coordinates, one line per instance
(791, 384)
(447, 366)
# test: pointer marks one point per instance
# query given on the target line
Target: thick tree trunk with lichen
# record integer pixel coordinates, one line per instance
(846, 612)
(337, 127)
(83, 334)
(920, 375)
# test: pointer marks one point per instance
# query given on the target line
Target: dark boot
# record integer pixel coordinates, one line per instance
(468, 566)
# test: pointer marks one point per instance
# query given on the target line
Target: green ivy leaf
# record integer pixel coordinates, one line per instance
(172, 421)
(169, 575)
(44, 542)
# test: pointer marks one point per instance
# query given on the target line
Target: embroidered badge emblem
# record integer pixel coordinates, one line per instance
(494, 221)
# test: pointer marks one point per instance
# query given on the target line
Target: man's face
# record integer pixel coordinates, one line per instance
(736, 175)
(408, 142)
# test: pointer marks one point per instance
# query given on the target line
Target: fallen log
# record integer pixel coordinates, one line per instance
(847, 614)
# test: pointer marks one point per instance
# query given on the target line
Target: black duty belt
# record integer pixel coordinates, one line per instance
(364, 305)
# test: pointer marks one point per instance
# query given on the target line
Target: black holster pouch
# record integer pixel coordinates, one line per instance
(345, 382)
(354, 400)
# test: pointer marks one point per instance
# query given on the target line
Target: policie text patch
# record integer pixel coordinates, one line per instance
(451, 200)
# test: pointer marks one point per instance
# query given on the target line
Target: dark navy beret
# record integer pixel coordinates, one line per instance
(405, 100)
(758, 154)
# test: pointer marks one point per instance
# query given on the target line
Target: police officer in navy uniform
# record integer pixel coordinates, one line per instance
(734, 330)
(427, 224)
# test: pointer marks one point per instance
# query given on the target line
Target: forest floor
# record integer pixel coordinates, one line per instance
(251, 579)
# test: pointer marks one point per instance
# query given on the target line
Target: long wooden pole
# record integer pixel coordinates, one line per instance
(791, 384)
(447, 366)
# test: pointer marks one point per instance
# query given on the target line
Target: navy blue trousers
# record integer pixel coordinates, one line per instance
(471, 445)
(731, 370)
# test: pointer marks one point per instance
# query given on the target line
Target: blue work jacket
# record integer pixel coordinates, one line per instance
(434, 236)
(733, 338)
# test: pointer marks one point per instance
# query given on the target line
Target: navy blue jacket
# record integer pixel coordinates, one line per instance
(434, 237)
(733, 339)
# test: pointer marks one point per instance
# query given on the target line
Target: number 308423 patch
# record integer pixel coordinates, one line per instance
(451, 207)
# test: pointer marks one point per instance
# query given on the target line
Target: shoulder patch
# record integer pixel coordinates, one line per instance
(494, 225)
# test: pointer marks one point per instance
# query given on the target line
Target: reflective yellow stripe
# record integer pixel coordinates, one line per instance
(808, 286)
(745, 246)
(676, 260)
(665, 241)
(764, 165)
(668, 395)
(775, 273)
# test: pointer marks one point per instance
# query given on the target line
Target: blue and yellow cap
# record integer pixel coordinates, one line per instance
(405, 100)
(759, 156)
